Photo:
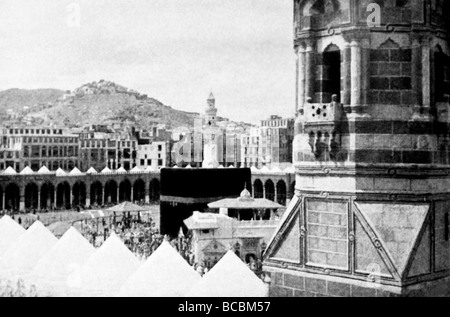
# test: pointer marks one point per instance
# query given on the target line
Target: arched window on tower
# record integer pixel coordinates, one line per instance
(442, 75)
(328, 82)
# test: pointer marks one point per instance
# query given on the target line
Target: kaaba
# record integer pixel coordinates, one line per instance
(184, 191)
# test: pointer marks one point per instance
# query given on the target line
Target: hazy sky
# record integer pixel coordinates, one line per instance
(173, 50)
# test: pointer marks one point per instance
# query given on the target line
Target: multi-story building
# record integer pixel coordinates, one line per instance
(250, 151)
(127, 151)
(38, 146)
(97, 149)
(155, 155)
(101, 147)
(270, 144)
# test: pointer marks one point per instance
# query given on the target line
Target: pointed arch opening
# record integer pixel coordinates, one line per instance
(281, 193)
(155, 191)
(258, 189)
(139, 191)
(79, 194)
(111, 189)
(47, 196)
(270, 190)
(97, 194)
(12, 197)
(31, 196)
(125, 191)
(63, 196)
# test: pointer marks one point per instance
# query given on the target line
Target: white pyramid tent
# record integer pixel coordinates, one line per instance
(277, 170)
(229, 278)
(104, 273)
(10, 231)
(22, 256)
(27, 171)
(290, 170)
(136, 170)
(10, 171)
(264, 169)
(75, 172)
(106, 170)
(121, 171)
(60, 172)
(53, 272)
(91, 171)
(231, 166)
(254, 169)
(176, 166)
(189, 166)
(44, 170)
(221, 166)
(150, 169)
(164, 274)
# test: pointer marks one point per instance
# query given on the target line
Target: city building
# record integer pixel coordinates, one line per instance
(97, 148)
(22, 146)
(269, 144)
(113, 147)
(370, 212)
(155, 155)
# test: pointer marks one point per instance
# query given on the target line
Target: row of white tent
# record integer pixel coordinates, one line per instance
(76, 172)
(71, 266)
(136, 170)
(263, 170)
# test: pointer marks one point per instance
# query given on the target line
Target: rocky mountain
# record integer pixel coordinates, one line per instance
(97, 102)
(16, 100)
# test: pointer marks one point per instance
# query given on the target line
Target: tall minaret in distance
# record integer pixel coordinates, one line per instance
(211, 111)
(211, 135)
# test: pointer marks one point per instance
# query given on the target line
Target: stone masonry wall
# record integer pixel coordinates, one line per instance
(289, 285)
(390, 75)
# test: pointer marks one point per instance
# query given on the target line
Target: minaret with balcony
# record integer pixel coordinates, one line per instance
(371, 151)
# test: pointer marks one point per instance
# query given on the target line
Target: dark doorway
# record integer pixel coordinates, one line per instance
(331, 73)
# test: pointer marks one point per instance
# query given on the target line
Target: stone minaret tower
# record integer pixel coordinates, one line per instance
(372, 153)
(212, 136)
(211, 111)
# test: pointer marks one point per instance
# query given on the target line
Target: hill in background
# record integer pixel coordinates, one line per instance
(97, 102)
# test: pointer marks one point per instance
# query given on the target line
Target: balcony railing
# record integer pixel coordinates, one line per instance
(259, 223)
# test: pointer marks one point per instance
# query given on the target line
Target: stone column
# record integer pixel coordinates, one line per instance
(71, 196)
(39, 198)
(147, 192)
(22, 199)
(365, 71)
(55, 192)
(88, 194)
(103, 195)
(355, 74)
(426, 77)
(416, 74)
(132, 194)
(276, 194)
(309, 73)
(346, 75)
(3, 201)
(264, 191)
(301, 78)
(297, 79)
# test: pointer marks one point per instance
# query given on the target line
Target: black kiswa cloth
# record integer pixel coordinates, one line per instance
(184, 191)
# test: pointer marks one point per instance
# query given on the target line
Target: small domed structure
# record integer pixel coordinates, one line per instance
(245, 195)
